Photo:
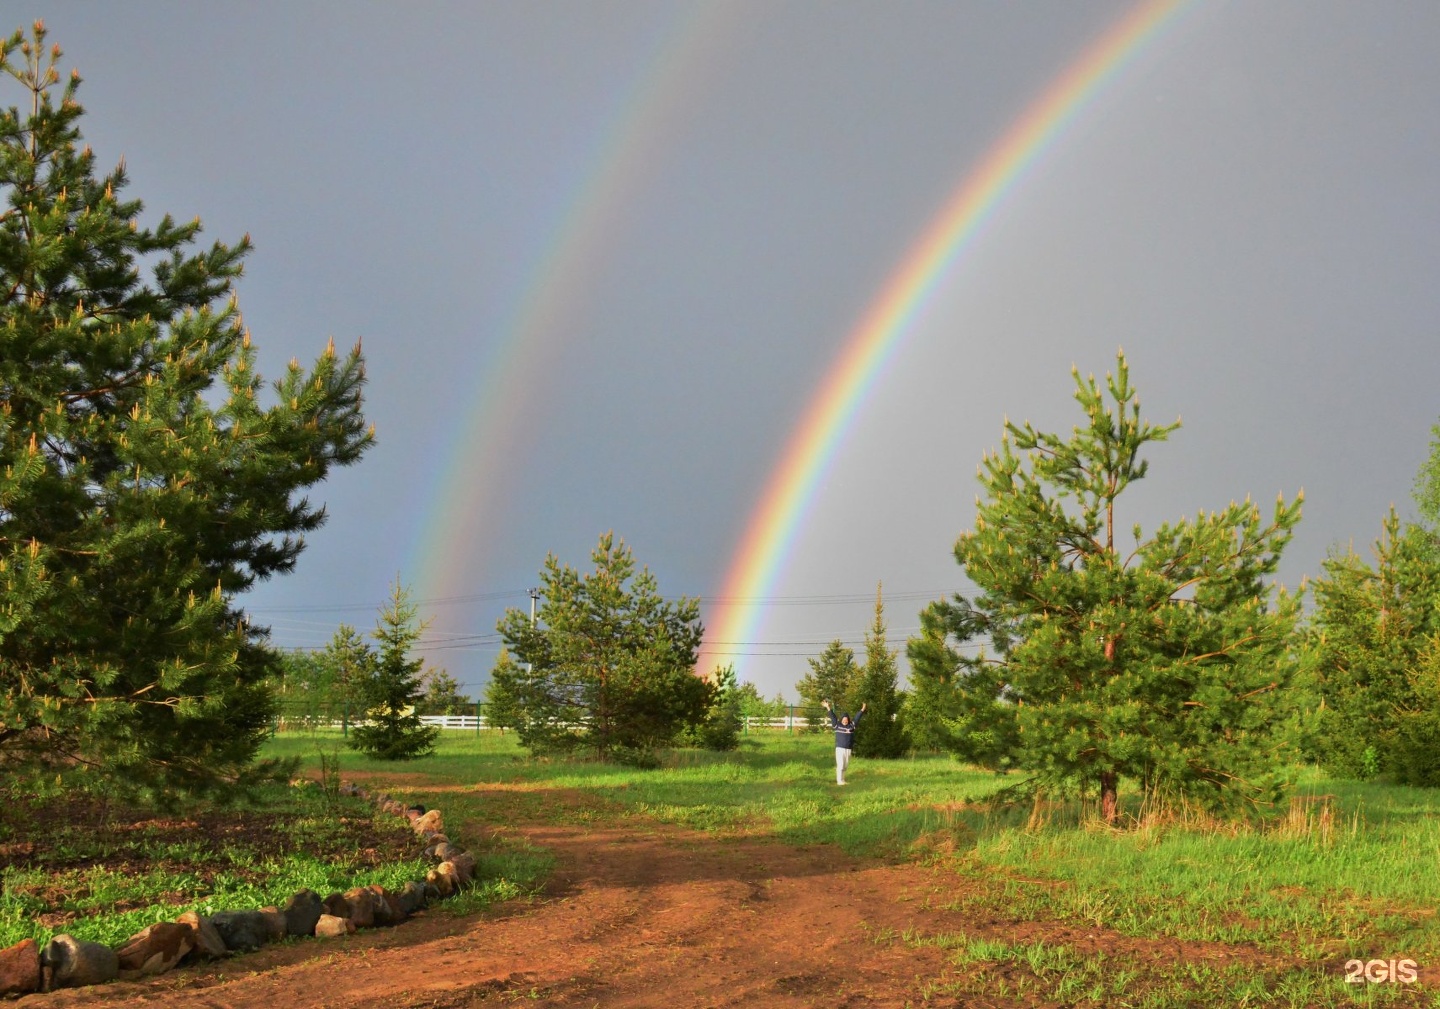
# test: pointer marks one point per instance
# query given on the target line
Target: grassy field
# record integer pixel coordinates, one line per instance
(1347, 871)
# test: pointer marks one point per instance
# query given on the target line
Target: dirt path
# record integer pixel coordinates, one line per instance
(637, 918)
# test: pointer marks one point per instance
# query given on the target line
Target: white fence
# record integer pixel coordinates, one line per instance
(473, 723)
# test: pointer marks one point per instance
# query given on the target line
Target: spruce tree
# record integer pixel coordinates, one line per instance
(392, 729)
(882, 733)
(1165, 663)
(833, 677)
(144, 483)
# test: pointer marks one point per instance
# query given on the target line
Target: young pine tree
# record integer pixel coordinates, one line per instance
(882, 733)
(1166, 662)
(144, 483)
(609, 663)
(502, 704)
(393, 730)
(833, 677)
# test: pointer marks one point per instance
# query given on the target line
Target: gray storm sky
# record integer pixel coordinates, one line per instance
(1250, 209)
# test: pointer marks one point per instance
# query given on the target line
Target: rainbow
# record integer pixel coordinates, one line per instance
(448, 545)
(771, 532)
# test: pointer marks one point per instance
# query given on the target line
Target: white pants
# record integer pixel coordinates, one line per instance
(842, 761)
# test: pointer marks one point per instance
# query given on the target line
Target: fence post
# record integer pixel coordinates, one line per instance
(345, 718)
(477, 719)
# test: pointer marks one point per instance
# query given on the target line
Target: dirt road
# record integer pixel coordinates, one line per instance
(639, 917)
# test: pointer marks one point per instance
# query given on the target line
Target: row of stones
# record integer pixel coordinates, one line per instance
(67, 962)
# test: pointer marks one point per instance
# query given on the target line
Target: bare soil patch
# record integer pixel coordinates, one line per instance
(645, 916)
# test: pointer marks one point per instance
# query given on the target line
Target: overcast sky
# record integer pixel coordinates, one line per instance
(602, 254)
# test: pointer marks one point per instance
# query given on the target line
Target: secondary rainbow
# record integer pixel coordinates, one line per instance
(449, 543)
(770, 533)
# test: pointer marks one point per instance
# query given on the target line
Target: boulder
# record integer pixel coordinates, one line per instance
(327, 926)
(207, 941)
(464, 864)
(155, 948)
(411, 897)
(302, 911)
(242, 930)
(20, 968)
(442, 852)
(417, 809)
(336, 905)
(458, 879)
(430, 821)
(274, 923)
(362, 907)
(74, 963)
(434, 837)
(442, 881)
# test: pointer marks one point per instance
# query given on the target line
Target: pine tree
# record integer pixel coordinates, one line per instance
(393, 730)
(882, 733)
(1166, 664)
(833, 677)
(502, 703)
(440, 695)
(1373, 635)
(143, 484)
(609, 664)
(720, 730)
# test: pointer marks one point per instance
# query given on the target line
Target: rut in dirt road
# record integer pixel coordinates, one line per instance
(632, 919)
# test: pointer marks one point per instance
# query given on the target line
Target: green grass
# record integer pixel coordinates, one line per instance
(102, 876)
(1356, 881)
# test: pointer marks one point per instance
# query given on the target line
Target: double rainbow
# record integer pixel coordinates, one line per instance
(771, 532)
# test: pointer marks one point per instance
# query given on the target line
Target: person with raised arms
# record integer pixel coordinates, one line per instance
(844, 739)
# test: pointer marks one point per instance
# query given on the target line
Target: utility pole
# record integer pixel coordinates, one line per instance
(534, 595)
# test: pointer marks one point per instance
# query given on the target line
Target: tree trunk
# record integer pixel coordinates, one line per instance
(1109, 797)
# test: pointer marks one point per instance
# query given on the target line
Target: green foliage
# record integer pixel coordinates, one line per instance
(502, 704)
(143, 484)
(833, 677)
(1427, 483)
(1375, 635)
(440, 695)
(393, 730)
(609, 664)
(884, 733)
(753, 705)
(318, 687)
(1167, 664)
(720, 730)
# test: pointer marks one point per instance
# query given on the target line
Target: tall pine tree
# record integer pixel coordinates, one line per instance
(1165, 662)
(882, 733)
(144, 483)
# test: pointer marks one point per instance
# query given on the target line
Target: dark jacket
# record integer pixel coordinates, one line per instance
(845, 734)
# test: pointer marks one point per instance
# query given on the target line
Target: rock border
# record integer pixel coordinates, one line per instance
(67, 962)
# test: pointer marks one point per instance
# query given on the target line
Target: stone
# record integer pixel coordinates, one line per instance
(336, 905)
(443, 882)
(387, 909)
(241, 930)
(302, 910)
(362, 907)
(20, 968)
(464, 864)
(411, 897)
(74, 963)
(155, 948)
(274, 923)
(458, 879)
(417, 809)
(432, 892)
(207, 941)
(328, 926)
(430, 821)
(442, 852)
(433, 837)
